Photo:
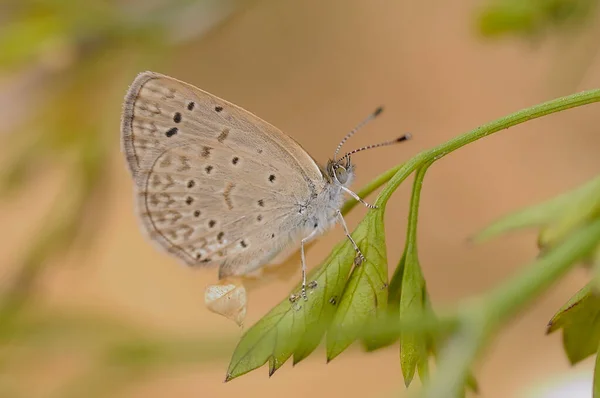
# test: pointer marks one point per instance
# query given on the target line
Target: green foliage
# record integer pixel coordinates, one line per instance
(414, 347)
(458, 336)
(556, 218)
(413, 298)
(365, 294)
(76, 59)
(121, 352)
(83, 54)
(560, 220)
(579, 320)
(570, 208)
(296, 328)
(529, 18)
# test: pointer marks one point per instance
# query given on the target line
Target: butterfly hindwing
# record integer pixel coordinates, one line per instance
(197, 210)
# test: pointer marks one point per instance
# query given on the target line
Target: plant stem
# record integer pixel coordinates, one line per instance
(482, 317)
(505, 300)
(413, 215)
(480, 320)
(434, 154)
(455, 361)
(370, 187)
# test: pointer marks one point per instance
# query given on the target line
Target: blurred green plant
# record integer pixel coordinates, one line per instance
(121, 353)
(571, 26)
(533, 18)
(71, 60)
(76, 53)
(355, 303)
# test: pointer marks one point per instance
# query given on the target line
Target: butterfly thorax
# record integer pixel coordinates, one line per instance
(321, 211)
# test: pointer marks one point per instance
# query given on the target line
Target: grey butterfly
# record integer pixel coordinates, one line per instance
(216, 185)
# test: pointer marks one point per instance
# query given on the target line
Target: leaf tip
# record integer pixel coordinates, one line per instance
(472, 383)
(408, 373)
(334, 352)
(228, 377)
(297, 359)
(272, 366)
(550, 327)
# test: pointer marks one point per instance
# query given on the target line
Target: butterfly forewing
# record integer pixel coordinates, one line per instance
(216, 184)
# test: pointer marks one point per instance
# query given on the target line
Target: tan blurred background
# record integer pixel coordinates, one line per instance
(95, 310)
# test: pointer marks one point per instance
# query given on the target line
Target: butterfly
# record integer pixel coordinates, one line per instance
(218, 186)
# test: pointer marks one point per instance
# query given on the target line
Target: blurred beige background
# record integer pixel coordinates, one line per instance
(314, 69)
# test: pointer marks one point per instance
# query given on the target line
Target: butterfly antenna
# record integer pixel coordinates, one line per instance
(402, 138)
(355, 129)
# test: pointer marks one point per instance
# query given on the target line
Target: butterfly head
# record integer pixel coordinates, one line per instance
(341, 171)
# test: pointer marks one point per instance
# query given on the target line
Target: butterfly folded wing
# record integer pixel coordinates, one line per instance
(160, 112)
(215, 184)
(197, 212)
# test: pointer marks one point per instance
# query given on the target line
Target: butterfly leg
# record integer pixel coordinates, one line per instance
(294, 297)
(359, 259)
(355, 196)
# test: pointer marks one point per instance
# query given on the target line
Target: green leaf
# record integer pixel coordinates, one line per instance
(580, 320)
(384, 333)
(578, 212)
(395, 292)
(409, 295)
(413, 347)
(543, 214)
(365, 296)
(472, 383)
(296, 328)
(565, 314)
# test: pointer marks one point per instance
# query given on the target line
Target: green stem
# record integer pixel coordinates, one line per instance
(370, 187)
(410, 248)
(480, 321)
(557, 105)
(413, 215)
(505, 300)
(403, 172)
(481, 318)
(455, 361)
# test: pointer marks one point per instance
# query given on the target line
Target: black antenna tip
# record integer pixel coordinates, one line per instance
(404, 137)
(378, 111)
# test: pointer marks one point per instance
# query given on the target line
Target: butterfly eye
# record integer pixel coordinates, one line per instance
(341, 175)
